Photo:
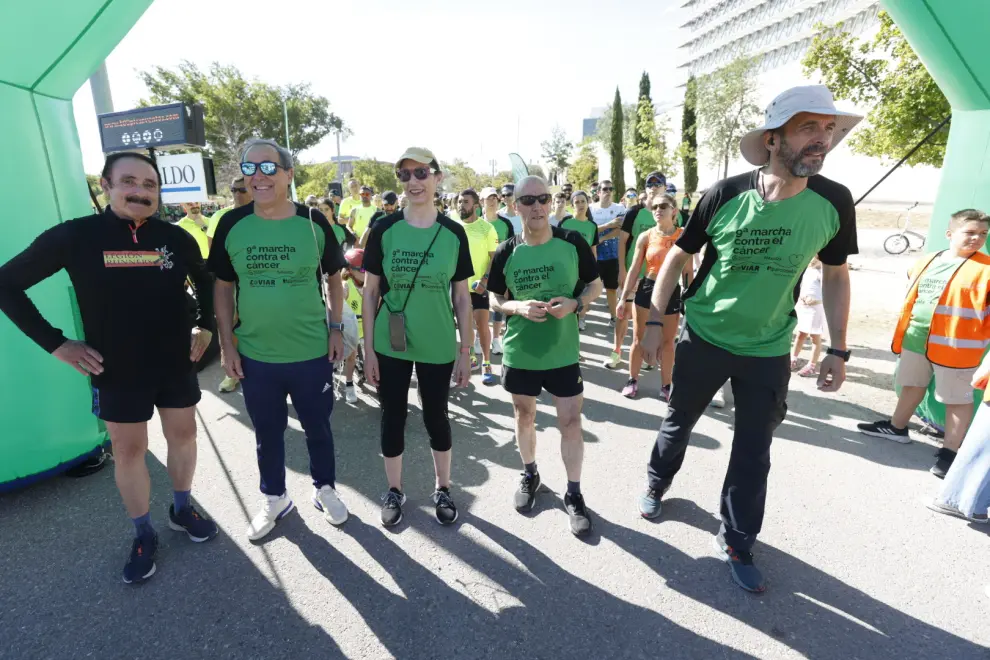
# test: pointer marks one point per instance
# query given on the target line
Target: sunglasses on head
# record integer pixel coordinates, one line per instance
(529, 200)
(238, 190)
(662, 206)
(654, 183)
(606, 189)
(267, 167)
(420, 173)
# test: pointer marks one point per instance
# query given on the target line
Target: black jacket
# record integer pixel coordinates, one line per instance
(130, 284)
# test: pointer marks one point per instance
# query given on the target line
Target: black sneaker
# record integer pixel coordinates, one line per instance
(392, 507)
(446, 511)
(943, 461)
(744, 572)
(526, 493)
(141, 564)
(189, 520)
(580, 519)
(885, 429)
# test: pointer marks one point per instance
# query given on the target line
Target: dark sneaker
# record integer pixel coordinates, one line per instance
(580, 520)
(943, 461)
(744, 572)
(885, 429)
(141, 564)
(392, 507)
(526, 493)
(189, 520)
(649, 503)
(446, 511)
(665, 393)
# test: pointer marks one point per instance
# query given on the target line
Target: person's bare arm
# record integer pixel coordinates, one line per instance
(629, 284)
(461, 298)
(667, 279)
(223, 303)
(837, 298)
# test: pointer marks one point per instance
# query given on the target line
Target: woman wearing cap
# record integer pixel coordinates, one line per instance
(582, 223)
(417, 263)
(651, 248)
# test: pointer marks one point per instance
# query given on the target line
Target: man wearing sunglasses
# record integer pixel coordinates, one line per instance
(390, 204)
(509, 210)
(284, 262)
(129, 272)
(608, 216)
(542, 279)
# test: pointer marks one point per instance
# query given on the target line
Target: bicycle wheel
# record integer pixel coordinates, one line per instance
(895, 244)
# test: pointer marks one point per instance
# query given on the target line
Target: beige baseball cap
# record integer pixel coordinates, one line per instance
(487, 192)
(420, 155)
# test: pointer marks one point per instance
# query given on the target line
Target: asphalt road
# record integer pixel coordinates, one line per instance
(857, 568)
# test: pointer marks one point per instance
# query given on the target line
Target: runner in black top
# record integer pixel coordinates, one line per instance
(129, 271)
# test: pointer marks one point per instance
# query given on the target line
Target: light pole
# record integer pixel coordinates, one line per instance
(285, 114)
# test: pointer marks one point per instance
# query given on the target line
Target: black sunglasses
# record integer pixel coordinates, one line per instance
(529, 200)
(238, 190)
(654, 183)
(420, 173)
(267, 167)
(662, 206)
(606, 189)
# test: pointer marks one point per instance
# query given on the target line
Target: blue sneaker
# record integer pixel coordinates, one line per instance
(649, 503)
(487, 377)
(141, 564)
(189, 520)
(744, 572)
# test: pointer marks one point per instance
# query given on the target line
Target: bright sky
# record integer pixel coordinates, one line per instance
(466, 78)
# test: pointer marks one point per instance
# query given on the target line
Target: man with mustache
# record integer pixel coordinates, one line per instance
(760, 230)
(129, 271)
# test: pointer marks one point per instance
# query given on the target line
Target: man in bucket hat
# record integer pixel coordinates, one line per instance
(759, 230)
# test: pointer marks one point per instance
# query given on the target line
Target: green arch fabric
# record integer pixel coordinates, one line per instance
(48, 48)
(950, 38)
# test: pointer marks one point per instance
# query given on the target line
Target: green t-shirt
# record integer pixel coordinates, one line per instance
(482, 241)
(638, 219)
(362, 216)
(930, 288)
(560, 267)
(587, 228)
(503, 228)
(742, 298)
(275, 265)
(394, 252)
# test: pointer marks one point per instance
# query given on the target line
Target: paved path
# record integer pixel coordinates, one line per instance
(857, 568)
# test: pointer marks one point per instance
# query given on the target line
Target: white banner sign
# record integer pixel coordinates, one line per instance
(183, 178)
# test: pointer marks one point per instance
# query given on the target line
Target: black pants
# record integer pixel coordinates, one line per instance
(759, 385)
(393, 396)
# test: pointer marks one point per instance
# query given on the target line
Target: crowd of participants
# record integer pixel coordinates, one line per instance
(397, 285)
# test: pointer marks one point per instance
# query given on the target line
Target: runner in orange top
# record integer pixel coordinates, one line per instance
(652, 247)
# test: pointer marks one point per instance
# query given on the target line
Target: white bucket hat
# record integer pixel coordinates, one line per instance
(810, 98)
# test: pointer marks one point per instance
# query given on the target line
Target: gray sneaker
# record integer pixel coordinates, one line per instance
(649, 504)
(744, 572)
(525, 497)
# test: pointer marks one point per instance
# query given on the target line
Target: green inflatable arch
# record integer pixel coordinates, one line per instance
(48, 48)
(950, 38)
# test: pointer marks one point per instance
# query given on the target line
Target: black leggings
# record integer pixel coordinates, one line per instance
(393, 396)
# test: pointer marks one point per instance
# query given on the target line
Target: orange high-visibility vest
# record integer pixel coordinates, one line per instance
(960, 329)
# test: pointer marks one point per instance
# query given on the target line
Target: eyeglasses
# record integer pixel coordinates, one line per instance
(631, 195)
(420, 173)
(606, 189)
(267, 167)
(662, 206)
(238, 190)
(654, 183)
(366, 194)
(529, 200)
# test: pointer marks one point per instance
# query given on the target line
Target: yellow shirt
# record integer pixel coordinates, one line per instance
(197, 232)
(482, 240)
(344, 213)
(362, 216)
(354, 302)
(211, 229)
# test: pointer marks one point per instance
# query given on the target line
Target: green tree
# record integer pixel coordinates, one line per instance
(312, 179)
(501, 178)
(603, 129)
(458, 176)
(642, 127)
(885, 75)
(688, 149)
(557, 151)
(726, 109)
(378, 175)
(536, 170)
(237, 109)
(584, 171)
(652, 153)
(617, 152)
(93, 181)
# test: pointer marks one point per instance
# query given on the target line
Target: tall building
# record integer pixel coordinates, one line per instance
(778, 33)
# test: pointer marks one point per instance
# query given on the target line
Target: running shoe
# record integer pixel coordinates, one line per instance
(647, 366)
(475, 364)
(582, 326)
(943, 462)
(273, 509)
(577, 514)
(446, 512)
(665, 393)
(141, 563)
(744, 572)
(350, 394)
(497, 346)
(189, 520)
(718, 401)
(650, 505)
(487, 377)
(938, 507)
(884, 429)
(229, 384)
(525, 497)
(325, 499)
(477, 345)
(392, 502)
(611, 321)
(613, 361)
(631, 389)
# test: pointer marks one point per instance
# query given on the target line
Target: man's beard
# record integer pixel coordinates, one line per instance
(465, 214)
(794, 161)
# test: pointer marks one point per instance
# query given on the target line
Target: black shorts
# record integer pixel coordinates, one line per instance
(480, 300)
(645, 292)
(136, 402)
(608, 270)
(562, 381)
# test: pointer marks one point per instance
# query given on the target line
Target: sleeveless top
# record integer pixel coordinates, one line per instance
(657, 249)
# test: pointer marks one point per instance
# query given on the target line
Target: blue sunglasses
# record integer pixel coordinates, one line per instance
(267, 167)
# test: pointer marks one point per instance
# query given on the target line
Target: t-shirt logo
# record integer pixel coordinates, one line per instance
(796, 260)
(160, 258)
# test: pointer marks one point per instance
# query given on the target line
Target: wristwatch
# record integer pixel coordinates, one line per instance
(335, 326)
(580, 306)
(845, 355)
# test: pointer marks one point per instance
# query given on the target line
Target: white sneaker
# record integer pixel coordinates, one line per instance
(350, 394)
(326, 500)
(497, 346)
(718, 401)
(582, 326)
(229, 384)
(613, 361)
(477, 345)
(274, 508)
